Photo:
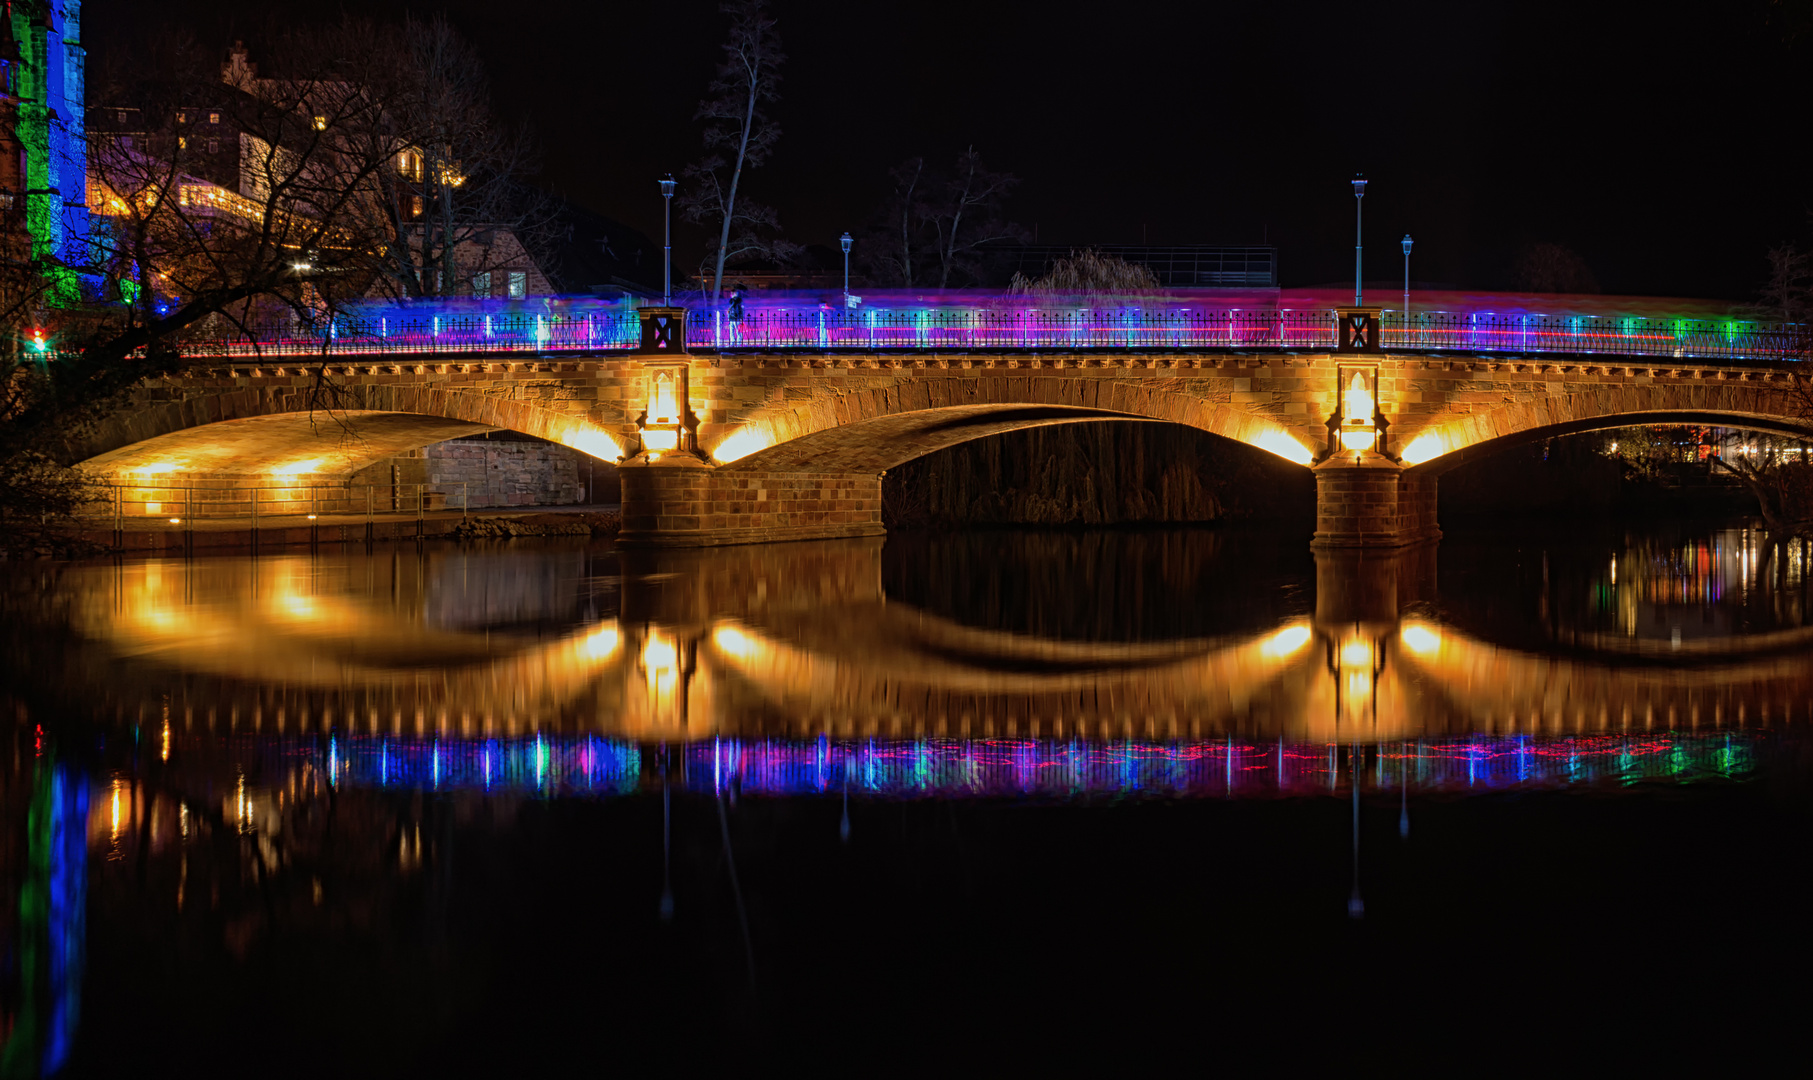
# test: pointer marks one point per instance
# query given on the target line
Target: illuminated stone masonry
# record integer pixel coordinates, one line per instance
(794, 445)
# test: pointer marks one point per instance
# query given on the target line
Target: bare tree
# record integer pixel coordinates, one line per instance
(1777, 469)
(297, 219)
(966, 216)
(449, 207)
(739, 135)
(1552, 268)
(898, 241)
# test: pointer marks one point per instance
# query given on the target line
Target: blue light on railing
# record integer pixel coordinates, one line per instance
(967, 321)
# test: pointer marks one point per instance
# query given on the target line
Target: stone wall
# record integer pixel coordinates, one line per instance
(682, 507)
(1373, 505)
(507, 472)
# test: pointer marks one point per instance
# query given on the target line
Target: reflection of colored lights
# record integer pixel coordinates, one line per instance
(961, 768)
(1286, 641)
(114, 832)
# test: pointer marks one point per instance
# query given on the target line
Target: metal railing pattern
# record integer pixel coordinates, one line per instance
(978, 326)
(270, 505)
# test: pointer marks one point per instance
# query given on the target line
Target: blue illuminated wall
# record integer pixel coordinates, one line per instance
(50, 83)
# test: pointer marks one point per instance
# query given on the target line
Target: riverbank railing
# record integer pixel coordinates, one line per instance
(190, 504)
(925, 327)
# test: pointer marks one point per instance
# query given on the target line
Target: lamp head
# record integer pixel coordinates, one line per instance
(667, 186)
(1359, 187)
(1407, 243)
(846, 242)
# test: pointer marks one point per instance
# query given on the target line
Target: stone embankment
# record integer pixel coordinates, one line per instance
(499, 527)
(144, 537)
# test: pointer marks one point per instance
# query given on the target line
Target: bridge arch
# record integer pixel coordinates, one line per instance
(287, 430)
(1801, 429)
(875, 429)
(1746, 404)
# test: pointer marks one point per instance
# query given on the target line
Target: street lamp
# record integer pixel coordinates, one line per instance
(1359, 193)
(846, 242)
(667, 241)
(1407, 243)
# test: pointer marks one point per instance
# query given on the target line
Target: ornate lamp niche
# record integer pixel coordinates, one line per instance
(667, 427)
(1356, 425)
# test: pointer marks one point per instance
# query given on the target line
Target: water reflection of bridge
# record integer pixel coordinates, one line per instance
(799, 641)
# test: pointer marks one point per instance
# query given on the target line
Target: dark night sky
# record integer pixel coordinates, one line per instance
(1669, 146)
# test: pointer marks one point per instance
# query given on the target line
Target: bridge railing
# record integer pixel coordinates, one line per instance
(406, 334)
(189, 501)
(1052, 327)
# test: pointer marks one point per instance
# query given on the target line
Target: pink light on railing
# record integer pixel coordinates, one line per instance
(974, 320)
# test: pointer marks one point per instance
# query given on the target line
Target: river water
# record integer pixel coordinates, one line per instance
(549, 806)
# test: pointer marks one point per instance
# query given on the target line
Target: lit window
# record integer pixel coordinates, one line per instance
(182, 117)
(182, 143)
(213, 118)
(320, 123)
(519, 284)
(415, 206)
(481, 284)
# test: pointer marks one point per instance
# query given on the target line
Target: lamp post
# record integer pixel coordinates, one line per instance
(667, 241)
(1359, 194)
(846, 242)
(1407, 243)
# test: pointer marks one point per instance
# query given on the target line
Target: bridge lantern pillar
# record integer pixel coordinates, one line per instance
(667, 429)
(1366, 500)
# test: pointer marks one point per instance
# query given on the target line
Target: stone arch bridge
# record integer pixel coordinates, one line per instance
(782, 446)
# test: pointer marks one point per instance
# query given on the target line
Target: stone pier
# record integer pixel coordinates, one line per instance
(1373, 503)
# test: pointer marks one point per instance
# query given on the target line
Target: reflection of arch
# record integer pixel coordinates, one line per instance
(170, 427)
(1749, 404)
(875, 429)
(1495, 689)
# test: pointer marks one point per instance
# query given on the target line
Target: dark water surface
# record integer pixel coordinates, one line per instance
(952, 802)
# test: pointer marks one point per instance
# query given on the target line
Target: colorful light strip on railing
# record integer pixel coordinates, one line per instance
(979, 321)
(575, 766)
(1012, 768)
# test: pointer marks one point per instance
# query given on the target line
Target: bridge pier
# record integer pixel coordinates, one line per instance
(1372, 503)
(667, 506)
